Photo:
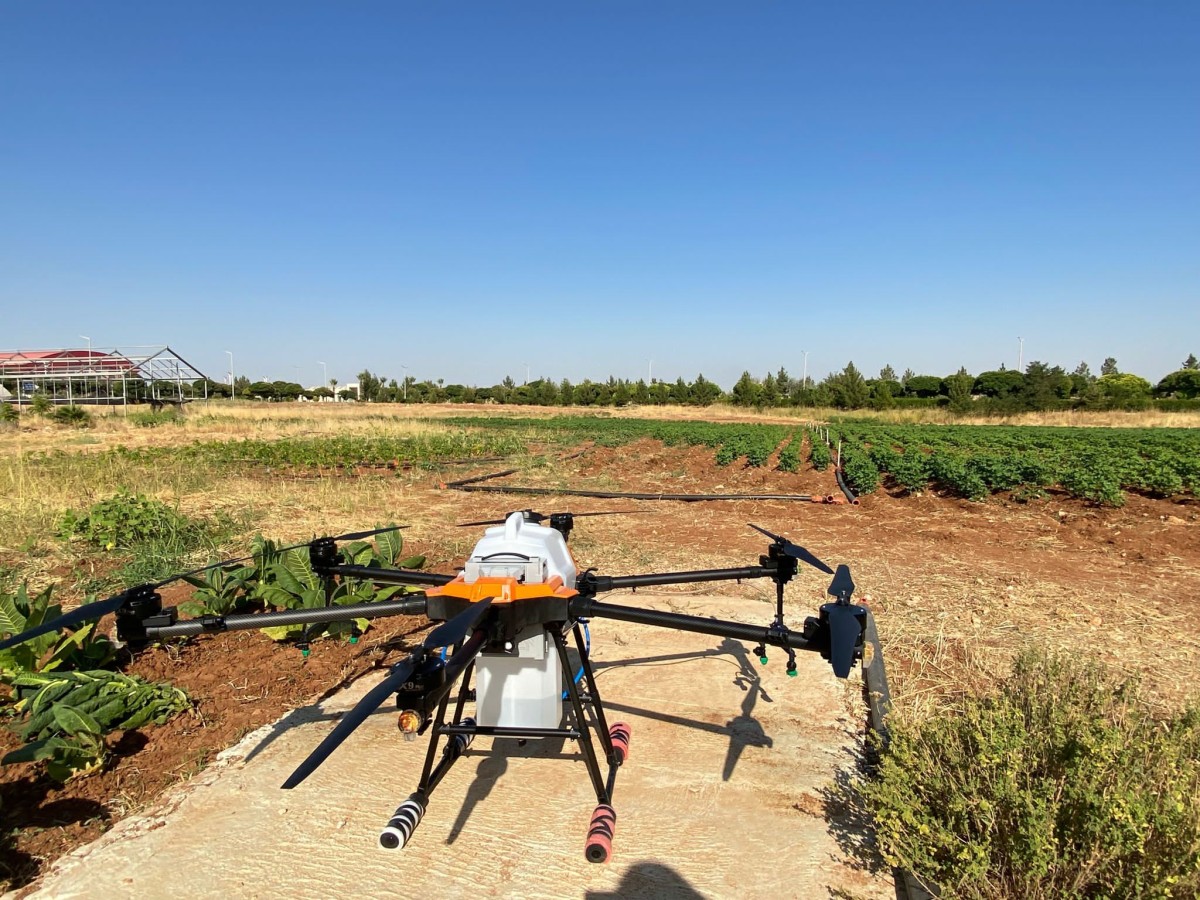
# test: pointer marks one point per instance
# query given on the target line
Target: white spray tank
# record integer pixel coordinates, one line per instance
(520, 687)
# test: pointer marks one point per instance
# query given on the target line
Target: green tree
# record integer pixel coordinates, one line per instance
(881, 394)
(999, 383)
(1109, 366)
(704, 392)
(1124, 390)
(1043, 385)
(770, 392)
(746, 392)
(1191, 362)
(849, 388)
(923, 386)
(680, 392)
(368, 386)
(1184, 384)
(783, 382)
(887, 373)
(908, 373)
(958, 389)
(566, 392)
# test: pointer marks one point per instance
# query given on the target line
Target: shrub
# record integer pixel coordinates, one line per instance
(1094, 476)
(123, 521)
(1059, 785)
(41, 404)
(860, 473)
(74, 416)
(819, 453)
(9, 414)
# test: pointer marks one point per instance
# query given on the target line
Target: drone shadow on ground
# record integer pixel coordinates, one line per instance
(306, 715)
(743, 730)
(649, 880)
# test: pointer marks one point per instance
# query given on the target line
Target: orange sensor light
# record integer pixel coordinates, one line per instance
(410, 723)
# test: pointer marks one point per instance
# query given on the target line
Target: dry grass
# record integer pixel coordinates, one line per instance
(957, 591)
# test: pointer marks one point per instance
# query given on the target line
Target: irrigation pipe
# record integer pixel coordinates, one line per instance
(850, 498)
(629, 495)
(472, 484)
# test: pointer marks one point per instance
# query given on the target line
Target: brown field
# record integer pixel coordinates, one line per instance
(957, 587)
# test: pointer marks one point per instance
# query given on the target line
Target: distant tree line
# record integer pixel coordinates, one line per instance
(1040, 387)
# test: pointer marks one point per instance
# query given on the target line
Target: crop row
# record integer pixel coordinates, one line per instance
(974, 461)
(730, 442)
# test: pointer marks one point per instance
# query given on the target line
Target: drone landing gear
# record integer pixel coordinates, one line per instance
(614, 744)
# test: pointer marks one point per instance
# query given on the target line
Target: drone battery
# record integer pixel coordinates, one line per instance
(521, 689)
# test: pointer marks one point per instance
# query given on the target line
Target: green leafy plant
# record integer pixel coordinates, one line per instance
(72, 416)
(286, 580)
(9, 414)
(49, 652)
(157, 539)
(67, 715)
(220, 590)
(41, 404)
(1061, 784)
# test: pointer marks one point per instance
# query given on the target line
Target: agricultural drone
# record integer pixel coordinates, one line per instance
(504, 620)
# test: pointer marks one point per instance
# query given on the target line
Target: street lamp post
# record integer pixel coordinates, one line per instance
(232, 377)
(89, 364)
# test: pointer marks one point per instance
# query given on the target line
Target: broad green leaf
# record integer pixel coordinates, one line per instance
(11, 620)
(298, 563)
(74, 721)
(281, 632)
(286, 580)
(412, 562)
(389, 544)
(29, 753)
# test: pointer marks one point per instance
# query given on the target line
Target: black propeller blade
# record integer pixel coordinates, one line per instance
(101, 608)
(537, 517)
(842, 585)
(447, 634)
(846, 622)
(360, 535)
(77, 616)
(794, 550)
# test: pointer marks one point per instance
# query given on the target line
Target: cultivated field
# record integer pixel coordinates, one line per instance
(957, 585)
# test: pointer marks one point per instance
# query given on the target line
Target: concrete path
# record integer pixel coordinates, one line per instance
(722, 795)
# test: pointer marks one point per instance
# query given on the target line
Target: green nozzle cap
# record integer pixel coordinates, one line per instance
(354, 639)
(304, 652)
(791, 673)
(763, 660)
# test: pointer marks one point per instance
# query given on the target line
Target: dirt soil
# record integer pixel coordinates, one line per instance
(957, 587)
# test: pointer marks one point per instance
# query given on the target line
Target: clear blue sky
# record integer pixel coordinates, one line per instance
(466, 189)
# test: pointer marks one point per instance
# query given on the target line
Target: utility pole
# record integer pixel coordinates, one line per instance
(405, 385)
(650, 373)
(804, 377)
(232, 379)
(324, 373)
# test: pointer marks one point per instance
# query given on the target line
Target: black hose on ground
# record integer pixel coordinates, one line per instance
(624, 495)
(850, 498)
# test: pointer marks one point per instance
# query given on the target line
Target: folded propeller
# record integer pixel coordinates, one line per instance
(449, 633)
(101, 608)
